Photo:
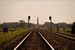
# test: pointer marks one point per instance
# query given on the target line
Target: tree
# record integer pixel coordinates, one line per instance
(73, 28)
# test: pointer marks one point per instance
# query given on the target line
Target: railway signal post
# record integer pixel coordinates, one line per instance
(28, 21)
(50, 26)
(50, 18)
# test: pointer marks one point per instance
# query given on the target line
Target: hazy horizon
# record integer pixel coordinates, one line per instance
(15, 10)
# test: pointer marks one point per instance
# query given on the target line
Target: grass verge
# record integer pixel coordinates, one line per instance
(6, 37)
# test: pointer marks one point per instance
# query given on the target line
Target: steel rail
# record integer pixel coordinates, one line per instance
(22, 41)
(65, 36)
(46, 41)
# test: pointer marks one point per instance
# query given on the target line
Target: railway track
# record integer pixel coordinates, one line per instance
(72, 35)
(66, 36)
(34, 41)
(60, 41)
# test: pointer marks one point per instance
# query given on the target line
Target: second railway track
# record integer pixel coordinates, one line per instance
(34, 41)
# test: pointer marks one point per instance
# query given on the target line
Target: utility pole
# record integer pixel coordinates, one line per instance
(37, 22)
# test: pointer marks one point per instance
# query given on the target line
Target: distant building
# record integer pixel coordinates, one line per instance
(5, 27)
(21, 21)
(22, 24)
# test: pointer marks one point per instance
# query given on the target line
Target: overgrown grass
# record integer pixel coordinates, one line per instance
(61, 30)
(67, 30)
(5, 37)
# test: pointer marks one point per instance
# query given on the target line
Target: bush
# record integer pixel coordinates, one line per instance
(73, 28)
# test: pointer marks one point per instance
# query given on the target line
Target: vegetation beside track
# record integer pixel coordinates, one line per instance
(8, 36)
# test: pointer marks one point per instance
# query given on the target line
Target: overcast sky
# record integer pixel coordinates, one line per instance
(15, 10)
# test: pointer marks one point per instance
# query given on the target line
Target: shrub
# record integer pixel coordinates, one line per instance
(73, 28)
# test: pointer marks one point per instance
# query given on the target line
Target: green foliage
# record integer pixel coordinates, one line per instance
(73, 28)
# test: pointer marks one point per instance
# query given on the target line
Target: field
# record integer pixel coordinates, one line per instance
(8, 36)
(61, 30)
